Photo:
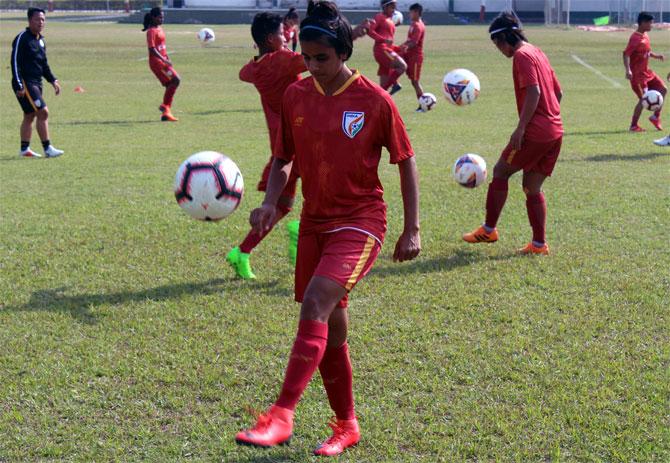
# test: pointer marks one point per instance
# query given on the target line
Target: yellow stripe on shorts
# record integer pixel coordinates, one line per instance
(365, 255)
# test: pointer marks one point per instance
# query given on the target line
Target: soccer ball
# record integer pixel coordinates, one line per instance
(461, 87)
(470, 170)
(208, 186)
(652, 100)
(206, 35)
(427, 101)
(397, 18)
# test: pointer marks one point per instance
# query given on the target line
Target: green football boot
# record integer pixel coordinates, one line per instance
(293, 227)
(240, 263)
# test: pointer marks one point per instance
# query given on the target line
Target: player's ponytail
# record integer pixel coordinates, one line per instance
(149, 17)
(507, 28)
(325, 23)
(291, 14)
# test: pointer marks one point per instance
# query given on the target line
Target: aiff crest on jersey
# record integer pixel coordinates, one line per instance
(352, 122)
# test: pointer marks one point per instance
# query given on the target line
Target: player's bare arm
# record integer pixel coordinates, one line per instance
(529, 106)
(262, 217)
(408, 245)
(626, 65)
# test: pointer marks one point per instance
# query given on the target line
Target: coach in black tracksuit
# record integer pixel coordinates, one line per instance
(29, 65)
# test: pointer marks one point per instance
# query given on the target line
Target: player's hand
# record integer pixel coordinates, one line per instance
(56, 86)
(661, 57)
(388, 42)
(407, 247)
(668, 77)
(629, 75)
(517, 138)
(262, 218)
(21, 93)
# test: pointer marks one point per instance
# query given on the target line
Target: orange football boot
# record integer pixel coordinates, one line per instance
(481, 236)
(636, 128)
(656, 122)
(275, 427)
(530, 248)
(168, 117)
(345, 434)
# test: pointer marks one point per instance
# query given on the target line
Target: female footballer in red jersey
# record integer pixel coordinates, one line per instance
(159, 62)
(333, 127)
(291, 21)
(535, 144)
(382, 31)
(271, 72)
(636, 62)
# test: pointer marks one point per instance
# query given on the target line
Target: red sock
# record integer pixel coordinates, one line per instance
(495, 201)
(335, 368)
(537, 215)
(169, 95)
(394, 75)
(252, 239)
(307, 352)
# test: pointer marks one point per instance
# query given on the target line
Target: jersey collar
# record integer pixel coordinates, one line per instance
(344, 86)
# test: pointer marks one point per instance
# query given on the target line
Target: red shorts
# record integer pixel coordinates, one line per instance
(344, 256)
(414, 63)
(534, 156)
(385, 57)
(640, 86)
(289, 189)
(163, 72)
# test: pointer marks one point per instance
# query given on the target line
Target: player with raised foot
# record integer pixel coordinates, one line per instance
(636, 63)
(391, 64)
(271, 72)
(333, 127)
(159, 62)
(535, 143)
(412, 49)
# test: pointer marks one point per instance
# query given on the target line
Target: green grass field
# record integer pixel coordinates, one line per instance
(124, 336)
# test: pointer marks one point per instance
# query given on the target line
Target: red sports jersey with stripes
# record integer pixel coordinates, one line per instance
(638, 50)
(530, 66)
(383, 29)
(416, 33)
(271, 74)
(336, 142)
(156, 39)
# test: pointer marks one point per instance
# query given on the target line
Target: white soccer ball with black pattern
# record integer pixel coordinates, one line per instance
(397, 18)
(470, 170)
(461, 87)
(206, 35)
(652, 100)
(427, 101)
(208, 186)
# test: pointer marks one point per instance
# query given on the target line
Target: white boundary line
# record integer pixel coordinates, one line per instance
(614, 83)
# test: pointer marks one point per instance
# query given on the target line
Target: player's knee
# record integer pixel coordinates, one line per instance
(316, 307)
(175, 81)
(29, 117)
(501, 170)
(43, 114)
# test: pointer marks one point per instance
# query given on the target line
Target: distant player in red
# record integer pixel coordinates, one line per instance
(412, 49)
(291, 21)
(159, 62)
(271, 72)
(391, 64)
(333, 127)
(636, 61)
(535, 144)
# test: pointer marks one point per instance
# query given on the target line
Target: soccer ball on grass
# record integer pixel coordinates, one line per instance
(427, 101)
(206, 35)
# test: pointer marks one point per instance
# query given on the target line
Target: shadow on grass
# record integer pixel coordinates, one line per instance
(596, 132)
(277, 456)
(460, 258)
(81, 306)
(152, 121)
(626, 157)
(224, 111)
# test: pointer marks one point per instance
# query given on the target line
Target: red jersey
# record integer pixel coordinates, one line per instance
(638, 50)
(271, 74)
(156, 39)
(416, 33)
(336, 143)
(382, 29)
(530, 66)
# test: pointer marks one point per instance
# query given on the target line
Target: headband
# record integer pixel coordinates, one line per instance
(512, 28)
(320, 29)
(386, 2)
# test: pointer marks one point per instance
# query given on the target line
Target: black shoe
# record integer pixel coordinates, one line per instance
(419, 110)
(395, 89)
